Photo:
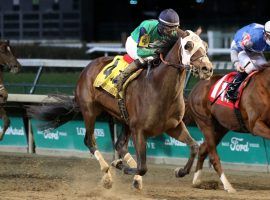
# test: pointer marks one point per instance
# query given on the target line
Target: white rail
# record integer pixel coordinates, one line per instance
(220, 65)
(53, 63)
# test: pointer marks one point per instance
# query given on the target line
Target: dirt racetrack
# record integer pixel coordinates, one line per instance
(24, 176)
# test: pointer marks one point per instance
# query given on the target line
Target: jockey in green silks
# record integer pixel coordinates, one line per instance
(138, 44)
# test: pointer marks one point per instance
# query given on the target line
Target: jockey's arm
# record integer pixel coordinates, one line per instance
(234, 56)
(146, 52)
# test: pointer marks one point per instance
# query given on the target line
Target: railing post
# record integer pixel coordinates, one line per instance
(36, 80)
(30, 138)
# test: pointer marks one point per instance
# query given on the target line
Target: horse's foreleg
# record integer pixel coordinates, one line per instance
(139, 141)
(6, 122)
(90, 142)
(121, 147)
(181, 134)
(203, 152)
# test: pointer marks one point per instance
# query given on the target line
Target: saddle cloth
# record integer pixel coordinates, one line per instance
(219, 89)
(106, 79)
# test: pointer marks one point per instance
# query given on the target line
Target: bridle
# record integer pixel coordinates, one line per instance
(180, 65)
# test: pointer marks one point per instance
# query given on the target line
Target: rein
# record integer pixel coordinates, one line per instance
(177, 66)
(180, 65)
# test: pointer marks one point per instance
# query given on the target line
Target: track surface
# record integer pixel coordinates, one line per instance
(24, 176)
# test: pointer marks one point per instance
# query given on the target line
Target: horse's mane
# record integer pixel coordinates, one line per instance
(165, 45)
(266, 65)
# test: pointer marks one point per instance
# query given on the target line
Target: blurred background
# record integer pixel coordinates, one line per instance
(55, 39)
(86, 29)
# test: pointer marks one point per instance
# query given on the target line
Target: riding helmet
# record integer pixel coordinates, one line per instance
(267, 32)
(169, 17)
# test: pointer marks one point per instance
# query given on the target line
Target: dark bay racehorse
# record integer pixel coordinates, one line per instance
(154, 103)
(7, 61)
(215, 120)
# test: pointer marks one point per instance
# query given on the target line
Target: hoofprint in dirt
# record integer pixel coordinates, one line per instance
(24, 176)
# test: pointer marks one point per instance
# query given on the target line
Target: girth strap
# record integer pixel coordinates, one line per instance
(239, 117)
(123, 110)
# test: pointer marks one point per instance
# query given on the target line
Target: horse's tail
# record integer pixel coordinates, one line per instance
(60, 109)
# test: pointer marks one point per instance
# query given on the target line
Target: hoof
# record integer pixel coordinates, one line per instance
(118, 164)
(180, 172)
(196, 183)
(107, 180)
(231, 190)
(137, 182)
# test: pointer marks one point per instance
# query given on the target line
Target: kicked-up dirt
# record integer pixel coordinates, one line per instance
(24, 176)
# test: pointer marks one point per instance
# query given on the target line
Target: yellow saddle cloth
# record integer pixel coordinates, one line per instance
(106, 79)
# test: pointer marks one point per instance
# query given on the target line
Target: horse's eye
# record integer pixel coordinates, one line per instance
(189, 46)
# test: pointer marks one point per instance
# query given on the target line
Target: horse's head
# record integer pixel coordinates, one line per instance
(7, 59)
(194, 54)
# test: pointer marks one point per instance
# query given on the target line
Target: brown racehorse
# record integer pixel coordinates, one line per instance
(215, 120)
(154, 103)
(7, 61)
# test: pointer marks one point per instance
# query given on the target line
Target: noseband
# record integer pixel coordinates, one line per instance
(180, 65)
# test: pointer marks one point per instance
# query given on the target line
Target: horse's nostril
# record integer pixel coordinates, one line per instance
(204, 68)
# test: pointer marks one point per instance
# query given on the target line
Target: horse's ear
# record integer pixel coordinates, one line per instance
(199, 30)
(181, 33)
(6, 42)
(189, 46)
(206, 45)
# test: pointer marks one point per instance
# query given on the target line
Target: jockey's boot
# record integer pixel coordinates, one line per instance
(124, 75)
(232, 92)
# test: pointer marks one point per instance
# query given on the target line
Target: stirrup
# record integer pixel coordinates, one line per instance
(232, 97)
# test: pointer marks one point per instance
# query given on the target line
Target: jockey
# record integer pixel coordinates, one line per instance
(138, 44)
(247, 53)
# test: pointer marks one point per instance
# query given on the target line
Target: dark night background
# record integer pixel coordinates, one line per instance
(106, 20)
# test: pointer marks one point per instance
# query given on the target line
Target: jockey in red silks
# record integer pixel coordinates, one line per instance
(138, 44)
(247, 53)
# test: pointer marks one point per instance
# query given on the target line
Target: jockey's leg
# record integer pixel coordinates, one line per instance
(232, 90)
(123, 76)
(251, 62)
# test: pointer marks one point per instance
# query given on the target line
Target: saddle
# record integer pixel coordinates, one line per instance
(107, 77)
(219, 89)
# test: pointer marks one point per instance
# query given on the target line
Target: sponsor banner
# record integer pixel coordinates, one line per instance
(235, 147)
(267, 149)
(15, 134)
(166, 146)
(71, 136)
(242, 148)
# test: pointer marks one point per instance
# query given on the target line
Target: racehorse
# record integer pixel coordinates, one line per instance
(7, 61)
(215, 120)
(154, 102)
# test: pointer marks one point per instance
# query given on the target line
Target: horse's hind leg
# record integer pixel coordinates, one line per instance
(181, 134)
(203, 152)
(213, 136)
(89, 116)
(121, 147)
(6, 122)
